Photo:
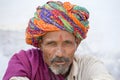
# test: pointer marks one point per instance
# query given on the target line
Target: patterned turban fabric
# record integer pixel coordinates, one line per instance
(54, 16)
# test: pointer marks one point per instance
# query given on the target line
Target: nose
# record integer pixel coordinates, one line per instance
(60, 52)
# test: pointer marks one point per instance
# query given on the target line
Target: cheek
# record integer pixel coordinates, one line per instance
(47, 55)
(70, 53)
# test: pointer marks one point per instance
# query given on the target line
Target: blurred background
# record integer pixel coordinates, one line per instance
(103, 40)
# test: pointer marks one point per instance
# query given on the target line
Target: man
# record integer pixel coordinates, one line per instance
(56, 30)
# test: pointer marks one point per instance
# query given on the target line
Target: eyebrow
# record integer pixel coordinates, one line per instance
(48, 42)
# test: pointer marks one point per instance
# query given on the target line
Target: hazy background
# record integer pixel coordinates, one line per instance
(103, 38)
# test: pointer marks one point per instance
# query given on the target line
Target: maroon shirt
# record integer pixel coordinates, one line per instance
(30, 64)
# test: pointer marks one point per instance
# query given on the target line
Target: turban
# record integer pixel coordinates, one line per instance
(54, 16)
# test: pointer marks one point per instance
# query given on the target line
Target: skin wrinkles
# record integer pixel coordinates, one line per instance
(58, 50)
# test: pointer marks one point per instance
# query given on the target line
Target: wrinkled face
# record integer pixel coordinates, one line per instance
(58, 50)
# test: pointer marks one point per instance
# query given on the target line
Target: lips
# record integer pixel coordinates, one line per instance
(59, 62)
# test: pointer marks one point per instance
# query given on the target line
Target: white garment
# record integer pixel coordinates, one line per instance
(88, 68)
(84, 68)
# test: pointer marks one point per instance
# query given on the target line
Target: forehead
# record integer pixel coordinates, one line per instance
(58, 35)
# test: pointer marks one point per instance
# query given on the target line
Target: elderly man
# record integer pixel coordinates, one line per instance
(56, 30)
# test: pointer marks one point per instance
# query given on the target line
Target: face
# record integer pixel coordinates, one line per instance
(58, 50)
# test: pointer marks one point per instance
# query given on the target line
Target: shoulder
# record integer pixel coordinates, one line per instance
(87, 59)
(92, 68)
(27, 54)
(27, 57)
(23, 63)
(88, 62)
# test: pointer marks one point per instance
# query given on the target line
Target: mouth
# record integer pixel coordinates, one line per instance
(60, 62)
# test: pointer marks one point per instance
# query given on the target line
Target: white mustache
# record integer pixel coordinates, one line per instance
(60, 59)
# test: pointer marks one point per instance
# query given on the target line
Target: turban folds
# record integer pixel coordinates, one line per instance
(55, 15)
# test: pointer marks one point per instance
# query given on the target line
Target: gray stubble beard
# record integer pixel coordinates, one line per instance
(60, 69)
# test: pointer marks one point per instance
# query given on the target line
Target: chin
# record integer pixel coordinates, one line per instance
(59, 69)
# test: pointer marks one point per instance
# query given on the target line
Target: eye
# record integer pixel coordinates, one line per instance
(67, 42)
(51, 43)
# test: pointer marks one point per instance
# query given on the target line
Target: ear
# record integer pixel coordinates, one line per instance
(78, 41)
(40, 44)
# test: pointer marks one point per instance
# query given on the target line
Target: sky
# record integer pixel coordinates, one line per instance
(104, 20)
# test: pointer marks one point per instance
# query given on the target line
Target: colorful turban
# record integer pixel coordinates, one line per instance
(55, 15)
